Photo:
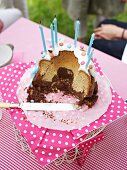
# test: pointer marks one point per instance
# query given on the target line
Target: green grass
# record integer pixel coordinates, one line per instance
(44, 10)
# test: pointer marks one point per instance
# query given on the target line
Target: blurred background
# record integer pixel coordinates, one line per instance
(45, 10)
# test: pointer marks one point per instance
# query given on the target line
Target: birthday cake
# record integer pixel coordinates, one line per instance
(64, 76)
(65, 73)
(65, 68)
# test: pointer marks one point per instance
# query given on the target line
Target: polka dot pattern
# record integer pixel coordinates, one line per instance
(40, 140)
(87, 146)
(49, 144)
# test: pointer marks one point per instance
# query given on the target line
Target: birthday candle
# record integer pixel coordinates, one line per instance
(90, 44)
(55, 29)
(89, 58)
(43, 38)
(52, 36)
(77, 24)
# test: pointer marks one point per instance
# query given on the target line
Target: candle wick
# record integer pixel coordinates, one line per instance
(53, 26)
(40, 22)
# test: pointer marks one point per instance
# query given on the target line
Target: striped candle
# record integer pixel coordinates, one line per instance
(55, 29)
(90, 44)
(52, 36)
(89, 58)
(43, 39)
(77, 25)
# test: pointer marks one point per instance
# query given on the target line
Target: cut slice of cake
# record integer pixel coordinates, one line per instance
(65, 72)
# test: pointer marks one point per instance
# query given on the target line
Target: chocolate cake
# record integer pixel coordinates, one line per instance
(65, 72)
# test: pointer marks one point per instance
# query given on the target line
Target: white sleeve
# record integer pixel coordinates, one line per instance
(124, 56)
(9, 16)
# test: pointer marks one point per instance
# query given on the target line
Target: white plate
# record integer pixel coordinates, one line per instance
(5, 54)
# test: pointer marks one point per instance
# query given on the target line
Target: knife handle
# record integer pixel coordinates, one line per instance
(9, 105)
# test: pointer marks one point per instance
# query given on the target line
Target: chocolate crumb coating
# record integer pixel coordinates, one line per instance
(62, 81)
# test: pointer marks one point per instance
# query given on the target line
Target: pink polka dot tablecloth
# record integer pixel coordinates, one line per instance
(48, 144)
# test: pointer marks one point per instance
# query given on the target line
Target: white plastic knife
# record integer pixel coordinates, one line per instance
(40, 106)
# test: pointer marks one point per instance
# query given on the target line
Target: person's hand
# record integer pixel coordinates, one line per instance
(108, 31)
(1, 25)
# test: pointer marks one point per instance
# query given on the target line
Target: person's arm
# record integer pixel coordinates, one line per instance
(109, 31)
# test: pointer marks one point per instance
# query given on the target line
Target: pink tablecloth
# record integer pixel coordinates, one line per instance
(109, 154)
(47, 144)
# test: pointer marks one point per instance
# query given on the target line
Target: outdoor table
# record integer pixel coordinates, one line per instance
(109, 153)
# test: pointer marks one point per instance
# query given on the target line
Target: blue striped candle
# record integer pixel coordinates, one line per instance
(89, 58)
(90, 44)
(55, 29)
(52, 36)
(43, 39)
(77, 25)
